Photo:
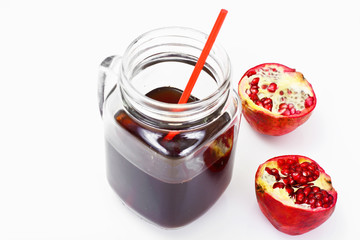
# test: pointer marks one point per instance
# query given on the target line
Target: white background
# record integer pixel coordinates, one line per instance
(52, 170)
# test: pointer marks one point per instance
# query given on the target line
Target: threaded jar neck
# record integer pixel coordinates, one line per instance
(166, 57)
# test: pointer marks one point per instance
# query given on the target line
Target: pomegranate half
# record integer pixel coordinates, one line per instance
(275, 99)
(294, 193)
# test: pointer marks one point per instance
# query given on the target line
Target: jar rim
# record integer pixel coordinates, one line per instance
(177, 110)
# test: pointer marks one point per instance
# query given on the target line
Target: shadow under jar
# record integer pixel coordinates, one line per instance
(168, 162)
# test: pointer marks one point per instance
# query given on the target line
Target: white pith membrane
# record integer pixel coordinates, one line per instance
(286, 82)
(266, 181)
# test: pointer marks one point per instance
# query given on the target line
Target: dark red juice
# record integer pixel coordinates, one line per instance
(167, 203)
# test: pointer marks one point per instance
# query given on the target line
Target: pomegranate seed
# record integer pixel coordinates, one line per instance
(286, 113)
(259, 103)
(295, 176)
(254, 89)
(270, 171)
(281, 162)
(312, 167)
(300, 190)
(281, 92)
(315, 189)
(250, 73)
(255, 81)
(274, 172)
(285, 172)
(302, 180)
(266, 101)
(300, 198)
(291, 161)
(310, 179)
(264, 86)
(272, 87)
(312, 200)
(292, 181)
(289, 190)
(268, 107)
(291, 170)
(307, 191)
(253, 97)
(318, 203)
(286, 180)
(304, 165)
(309, 102)
(324, 193)
(318, 195)
(306, 173)
(283, 106)
(278, 185)
(292, 111)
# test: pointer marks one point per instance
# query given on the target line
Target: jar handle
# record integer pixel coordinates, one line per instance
(106, 84)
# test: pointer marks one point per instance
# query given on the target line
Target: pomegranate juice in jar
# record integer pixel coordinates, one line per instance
(168, 162)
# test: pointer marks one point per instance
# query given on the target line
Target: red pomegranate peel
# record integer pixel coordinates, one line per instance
(200, 64)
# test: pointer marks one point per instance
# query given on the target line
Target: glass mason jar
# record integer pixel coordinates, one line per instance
(169, 162)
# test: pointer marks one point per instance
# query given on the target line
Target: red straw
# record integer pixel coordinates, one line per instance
(200, 64)
(202, 59)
